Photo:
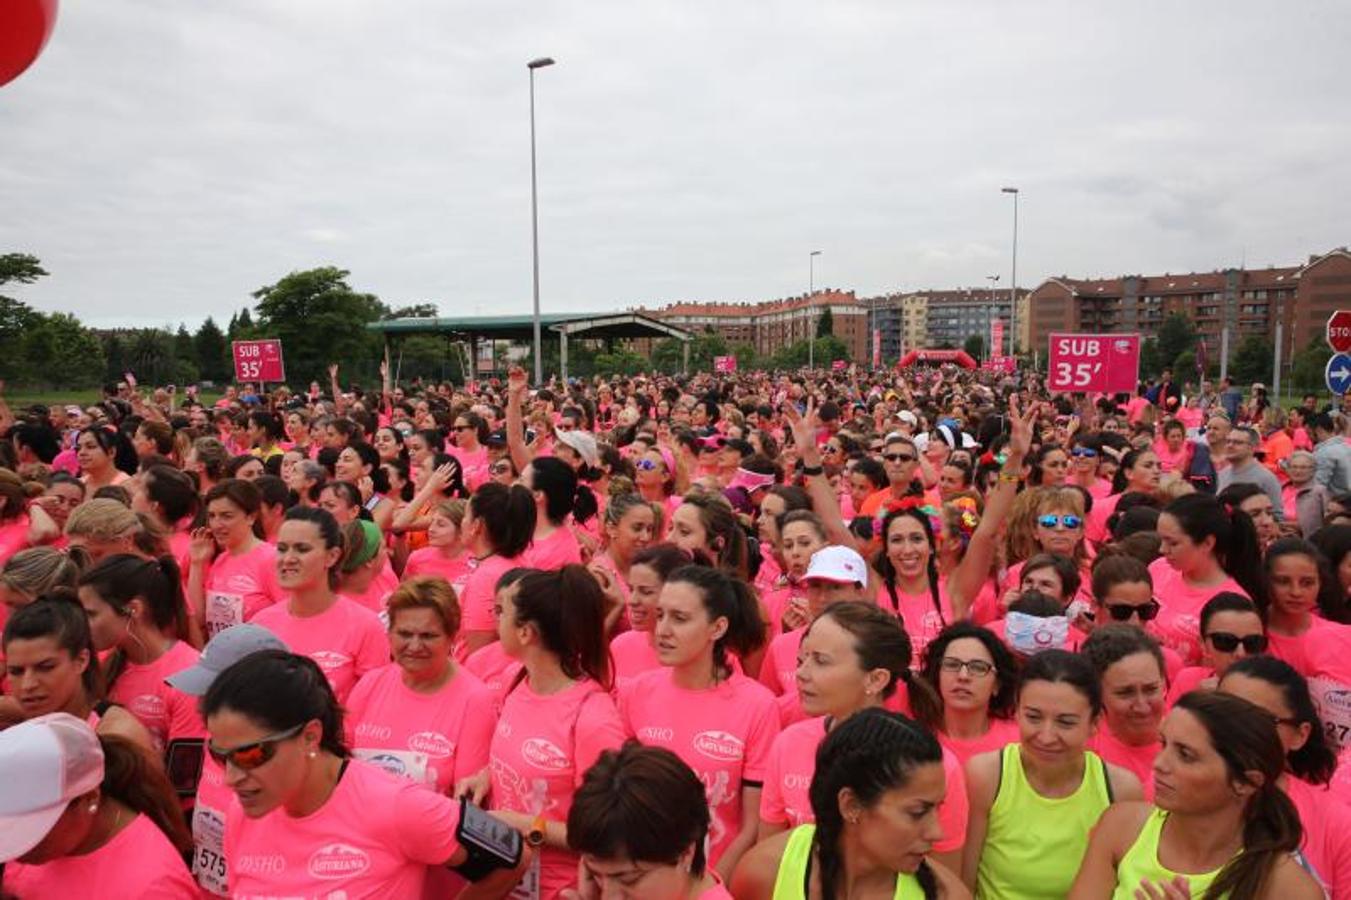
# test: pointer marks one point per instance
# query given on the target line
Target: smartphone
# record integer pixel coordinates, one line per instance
(183, 765)
(490, 835)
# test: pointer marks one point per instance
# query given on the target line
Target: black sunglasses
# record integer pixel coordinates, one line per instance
(1225, 642)
(898, 457)
(1122, 612)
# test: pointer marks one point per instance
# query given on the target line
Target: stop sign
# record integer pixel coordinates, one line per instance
(1339, 331)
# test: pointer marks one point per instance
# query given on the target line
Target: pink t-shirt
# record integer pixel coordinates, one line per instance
(922, 620)
(1000, 732)
(432, 739)
(346, 640)
(723, 734)
(491, 665)
(239, 586)
(1139, 761)
(1324, 658)
(633, 654)
(778, 600)
(374, 837)
(1170, 461)
(1095, 526)
(770, 572)
(13, 537)
(208, 829)
(1327, 835)
(475, 465)
(478, 591)
(543, 745)
(558, 549)
(1178, 624)
(139, 863)
(431, 561)
(166, 712)
(1186, 681)
(792, 763)
(1013, 580)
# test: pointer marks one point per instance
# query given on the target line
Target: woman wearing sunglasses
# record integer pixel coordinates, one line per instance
(1310, 763)
(469, 433)
(1058, 529)
(1231, 629)
(1085, 453)
(305, 808)
(1134, 686)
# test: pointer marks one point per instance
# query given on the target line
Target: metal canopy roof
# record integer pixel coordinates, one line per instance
(613, 325)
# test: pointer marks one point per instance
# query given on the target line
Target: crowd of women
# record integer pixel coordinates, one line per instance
(910, 634)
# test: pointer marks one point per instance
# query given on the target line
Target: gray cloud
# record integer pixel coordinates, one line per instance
(166, 159)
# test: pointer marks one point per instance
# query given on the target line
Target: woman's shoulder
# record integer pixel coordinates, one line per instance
(1291, 881)
(1121, 822)
(950, 887)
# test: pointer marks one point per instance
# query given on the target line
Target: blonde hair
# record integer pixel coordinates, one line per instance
(35, 571)
(102, 519)
(427, 592)
(451, 509)
(1020, 541)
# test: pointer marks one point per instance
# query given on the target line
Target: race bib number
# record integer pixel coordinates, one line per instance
(1333, 700)
(223, 611)
(408, 764)
(208, 849)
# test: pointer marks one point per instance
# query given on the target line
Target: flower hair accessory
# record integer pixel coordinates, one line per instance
(919, 504)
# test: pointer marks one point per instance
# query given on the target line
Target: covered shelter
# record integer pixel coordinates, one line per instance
(473, 329)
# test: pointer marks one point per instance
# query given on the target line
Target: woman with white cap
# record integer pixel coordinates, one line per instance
(77, 810)
(213, 797)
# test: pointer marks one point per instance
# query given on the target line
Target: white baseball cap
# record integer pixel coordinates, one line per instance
(220, 653)
(48, 761)
(837, 563)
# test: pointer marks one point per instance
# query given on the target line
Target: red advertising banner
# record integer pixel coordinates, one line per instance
(839, 365)
(877, 348)
(1005, 364)
(1094, 363)
(996, 339)
(258, 361)
(725, 364)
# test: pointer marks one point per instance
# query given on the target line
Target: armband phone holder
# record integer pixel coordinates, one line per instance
(490, 843)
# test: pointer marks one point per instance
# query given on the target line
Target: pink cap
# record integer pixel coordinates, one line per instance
(51, 760)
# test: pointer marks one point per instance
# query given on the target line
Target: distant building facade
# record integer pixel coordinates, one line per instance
(771, 325)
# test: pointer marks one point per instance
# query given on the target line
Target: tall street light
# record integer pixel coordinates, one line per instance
(994, 311)
(811, 292)
(1013, 284)
(534, 64)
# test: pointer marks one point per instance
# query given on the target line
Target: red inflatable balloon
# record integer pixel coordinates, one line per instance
(25, 26)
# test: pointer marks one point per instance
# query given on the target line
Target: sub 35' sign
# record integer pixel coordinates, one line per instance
(1094, 363)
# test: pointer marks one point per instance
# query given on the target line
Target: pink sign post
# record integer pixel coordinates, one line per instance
(1094, 363)
(258, 361)
(725, 364)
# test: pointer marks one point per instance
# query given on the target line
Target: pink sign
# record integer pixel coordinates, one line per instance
(1092, 363)
(724, 364)
(996, 338)
(839, 365)
(1005, 364)
(258, 361)
(877, 348)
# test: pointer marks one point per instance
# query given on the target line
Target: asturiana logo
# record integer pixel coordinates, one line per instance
(432, 743)
(719, 745)
(330, 661)
(544, 755)
(338, 861)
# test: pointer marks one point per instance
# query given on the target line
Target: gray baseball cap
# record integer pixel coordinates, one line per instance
(220, 653)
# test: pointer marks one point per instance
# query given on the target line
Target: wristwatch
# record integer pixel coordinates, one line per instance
(535, 836)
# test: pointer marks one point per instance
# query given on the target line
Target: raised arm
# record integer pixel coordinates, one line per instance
(964, 583)
(823, 498)
(516, 446)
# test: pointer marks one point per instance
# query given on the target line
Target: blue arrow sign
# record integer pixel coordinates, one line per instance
(1338, 373)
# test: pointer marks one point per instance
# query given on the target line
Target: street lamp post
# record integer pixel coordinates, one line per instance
(534, 214)
(994, 311)
(811, 292)
(1013, 284)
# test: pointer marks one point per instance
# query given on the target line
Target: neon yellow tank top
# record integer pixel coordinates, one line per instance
(791, 882)
(1034, 844)
(1142, 861)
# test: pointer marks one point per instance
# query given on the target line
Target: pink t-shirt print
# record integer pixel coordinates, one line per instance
(166, 712)
(542, 747)
(1178, 624)
(346, 640)
(374, 837)
(557, 550)
(431, 739)
(724, 734)
(239, 586)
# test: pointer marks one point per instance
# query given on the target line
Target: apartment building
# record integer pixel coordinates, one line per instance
(772, 325)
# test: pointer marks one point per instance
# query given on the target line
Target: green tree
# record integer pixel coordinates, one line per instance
(23, 268)
(1150, 358)
(415, 311)
(59, 352)
(115, 356)
(185, 357)
(1184, 367)
(825, 326)
(1252, 360)
(1308, 369)
(975, 346)
(150, 355)
(745, 356)
(1177, 335)
(212, 351)
(319, 319)
(826, 351)
(620, 362)
(16, 318)
(668, 355)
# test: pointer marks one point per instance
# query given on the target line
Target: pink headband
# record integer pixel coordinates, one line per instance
(751, 480)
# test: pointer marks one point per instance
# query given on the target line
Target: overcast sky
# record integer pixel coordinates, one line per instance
(166, 158)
